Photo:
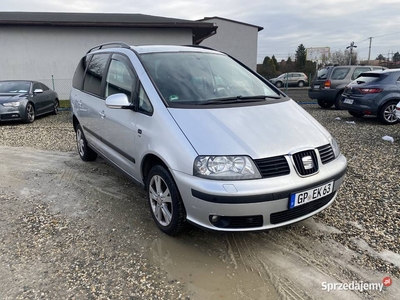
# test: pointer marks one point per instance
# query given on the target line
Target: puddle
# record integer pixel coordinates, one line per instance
(205, 274)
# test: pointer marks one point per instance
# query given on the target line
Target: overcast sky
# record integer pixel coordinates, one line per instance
(287, 24)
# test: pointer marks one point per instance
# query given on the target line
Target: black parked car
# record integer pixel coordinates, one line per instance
(373, 93)
(24, 100)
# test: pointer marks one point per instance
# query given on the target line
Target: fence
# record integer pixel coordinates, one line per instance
(61, 86)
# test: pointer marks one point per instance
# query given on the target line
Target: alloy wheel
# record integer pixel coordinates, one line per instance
(160, 200)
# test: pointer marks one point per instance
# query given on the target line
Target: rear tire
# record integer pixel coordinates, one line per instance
(56, 106)
(84, 151)
(387, 114)
(166, 206)
(324, 103)
(300, 84)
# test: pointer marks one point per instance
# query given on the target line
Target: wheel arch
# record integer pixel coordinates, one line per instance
(149, 161)
(75, 122)
(391, 99)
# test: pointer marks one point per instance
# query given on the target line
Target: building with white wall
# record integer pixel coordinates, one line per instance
(47, 46)
(238, 39)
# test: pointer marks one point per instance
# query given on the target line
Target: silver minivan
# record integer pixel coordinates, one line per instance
(212, 142)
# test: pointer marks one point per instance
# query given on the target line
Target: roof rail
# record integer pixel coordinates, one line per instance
(98, 47)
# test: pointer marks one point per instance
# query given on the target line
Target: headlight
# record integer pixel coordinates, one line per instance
(335, 147)
(225, 167)
(10, 104)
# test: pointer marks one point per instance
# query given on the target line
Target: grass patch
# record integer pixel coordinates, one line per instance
(65, 104)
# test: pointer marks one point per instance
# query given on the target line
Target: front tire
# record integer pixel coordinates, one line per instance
(278, 84)
(387, 114)
(29, 113)
(166, 206)
(84, 151)
(324, 103)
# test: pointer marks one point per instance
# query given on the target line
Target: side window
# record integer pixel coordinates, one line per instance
(144, 102)
(36, 86)
(358, 71)
(95, 73)
(340, 73)
(120, 77)
(77, 81)
(44, 87)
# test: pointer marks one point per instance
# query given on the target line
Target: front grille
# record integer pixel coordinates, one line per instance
(297, 212)
(239, 222)
(326, 153)
(273, 166)
(298, 161)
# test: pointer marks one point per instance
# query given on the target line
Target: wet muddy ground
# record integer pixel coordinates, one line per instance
(75, 230)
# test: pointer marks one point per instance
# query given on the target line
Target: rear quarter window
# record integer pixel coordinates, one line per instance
(339, 73)
(95, 73)
(77, 81)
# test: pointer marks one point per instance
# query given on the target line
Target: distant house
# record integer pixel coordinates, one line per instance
(238, 39)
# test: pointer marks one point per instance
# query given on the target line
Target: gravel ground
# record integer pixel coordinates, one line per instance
(367, 210)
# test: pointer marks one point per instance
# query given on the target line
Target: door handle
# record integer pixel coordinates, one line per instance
(102, 114)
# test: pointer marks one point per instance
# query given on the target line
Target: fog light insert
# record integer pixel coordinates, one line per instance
(236, 221)
(215, 219)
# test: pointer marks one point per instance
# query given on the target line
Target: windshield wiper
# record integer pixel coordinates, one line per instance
(239, 98)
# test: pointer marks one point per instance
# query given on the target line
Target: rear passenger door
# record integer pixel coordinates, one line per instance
(91, 103)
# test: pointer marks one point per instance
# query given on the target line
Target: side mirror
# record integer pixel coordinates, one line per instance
(119, 100)
(38, 91)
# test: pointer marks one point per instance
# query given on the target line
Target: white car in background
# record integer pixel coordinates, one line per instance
(398, 110)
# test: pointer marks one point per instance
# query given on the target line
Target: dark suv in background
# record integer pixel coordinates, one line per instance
(328, 84)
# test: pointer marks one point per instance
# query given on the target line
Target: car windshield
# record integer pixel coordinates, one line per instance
(197, 78)
(12, 87)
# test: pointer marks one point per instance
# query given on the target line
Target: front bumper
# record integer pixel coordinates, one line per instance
(250, 205)
(11, 113)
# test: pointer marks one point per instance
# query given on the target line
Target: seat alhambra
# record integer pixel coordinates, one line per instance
(212, 143)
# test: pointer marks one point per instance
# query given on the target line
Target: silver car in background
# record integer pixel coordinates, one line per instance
(212, 142)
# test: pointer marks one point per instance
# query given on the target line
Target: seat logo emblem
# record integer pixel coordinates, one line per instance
(307, 162)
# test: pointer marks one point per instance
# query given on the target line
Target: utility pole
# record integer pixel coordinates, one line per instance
(369, 51)
(351, 50)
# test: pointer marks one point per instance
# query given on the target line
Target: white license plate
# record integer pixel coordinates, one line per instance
(348, 101)
(310, 195)
(316, 86)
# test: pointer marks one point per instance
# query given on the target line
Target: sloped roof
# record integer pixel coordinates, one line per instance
(200, 30)
(229, 20)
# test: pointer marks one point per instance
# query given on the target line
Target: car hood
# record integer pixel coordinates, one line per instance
(10, 97)
(258, 131)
